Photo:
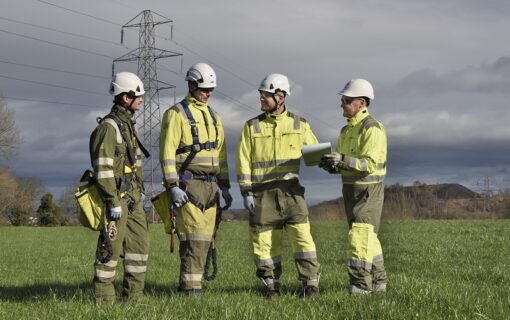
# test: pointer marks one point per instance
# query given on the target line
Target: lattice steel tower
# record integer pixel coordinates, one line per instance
(149, 119)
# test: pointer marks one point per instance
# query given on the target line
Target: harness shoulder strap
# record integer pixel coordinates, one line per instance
(125, 135)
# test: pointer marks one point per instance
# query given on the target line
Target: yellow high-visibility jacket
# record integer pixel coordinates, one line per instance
(270, 149)
(363, 143)
(176, 133)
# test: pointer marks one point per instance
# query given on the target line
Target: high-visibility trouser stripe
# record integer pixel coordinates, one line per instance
(136, 257)
(103, 161)
(359, 264)
(268, 262)
(106, 274)
(191, 277)
(305, 255)
(104, 174)
(356, 179)
(275, 163)
(195, 237)
(135, 269)
(378, 258)
(270, 281)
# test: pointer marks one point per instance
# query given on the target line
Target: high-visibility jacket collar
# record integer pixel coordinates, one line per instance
(358, 117)
(122, 113)
(277, 118)
(194, 102)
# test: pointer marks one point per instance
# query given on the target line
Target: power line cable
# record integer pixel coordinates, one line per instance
(52, 85)
(63, 32)
(53, 102)
(56, 44)
(54, 70)
(81, 13)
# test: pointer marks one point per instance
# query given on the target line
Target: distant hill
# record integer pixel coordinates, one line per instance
(437, 201)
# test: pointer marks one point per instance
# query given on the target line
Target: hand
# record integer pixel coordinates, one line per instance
(249, 204)
(332, 162)
(179, 197)
(227, 197)
(116, 213)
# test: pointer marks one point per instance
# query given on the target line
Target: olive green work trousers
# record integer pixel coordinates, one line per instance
(363, 206)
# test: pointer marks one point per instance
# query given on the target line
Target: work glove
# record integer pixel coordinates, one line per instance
(332, 162)
(115, 213)
(179, 197)
(249, 204)
(225, 193)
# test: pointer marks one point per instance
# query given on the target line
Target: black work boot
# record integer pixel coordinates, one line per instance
(310, 291)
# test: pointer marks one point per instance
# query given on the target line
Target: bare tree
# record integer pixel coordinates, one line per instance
(9, 135)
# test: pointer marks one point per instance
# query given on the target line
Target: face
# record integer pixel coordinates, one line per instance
(270, 102)
(137, 104)
(201, 94)
(351, 106)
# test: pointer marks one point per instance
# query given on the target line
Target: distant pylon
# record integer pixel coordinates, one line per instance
(149, 119)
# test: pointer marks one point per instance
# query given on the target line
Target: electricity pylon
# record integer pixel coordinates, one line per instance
(149, 119)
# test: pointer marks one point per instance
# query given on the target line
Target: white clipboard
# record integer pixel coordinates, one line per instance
(312, 153)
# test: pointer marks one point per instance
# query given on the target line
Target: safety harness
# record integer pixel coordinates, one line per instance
(193, 149)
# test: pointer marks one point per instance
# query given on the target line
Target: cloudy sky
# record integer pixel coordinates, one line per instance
(440, 69)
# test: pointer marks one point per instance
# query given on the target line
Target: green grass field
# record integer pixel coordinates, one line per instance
(437, 270)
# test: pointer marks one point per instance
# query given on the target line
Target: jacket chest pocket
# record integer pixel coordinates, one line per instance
(290, 144)
(263, 147)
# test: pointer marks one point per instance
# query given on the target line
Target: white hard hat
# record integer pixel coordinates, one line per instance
(275, 81)
(126, 82)
(202, 74)
(358, 88)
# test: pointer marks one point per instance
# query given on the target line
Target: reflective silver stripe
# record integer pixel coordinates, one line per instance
(136, 257)
(111, 264)
(195, 237)
(191, 276)
(171, 176)
(360, 264)
(378, 258)
(104, 274)
(135, 269)
(275, 163)
(269, 281)
(138, 152)
(244, 177)
(168, 162)
(355, 179)
(207, 160)
(274, 176)
(104, 174)
(117, 131)
(296, 122)
(139, 163)
(268, 262)
(256, 126)
(103, 161)
(305, 255)
(380, 165)
(364, 165)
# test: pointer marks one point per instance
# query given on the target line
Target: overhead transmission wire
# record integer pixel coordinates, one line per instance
(178, 44)
(53, 69)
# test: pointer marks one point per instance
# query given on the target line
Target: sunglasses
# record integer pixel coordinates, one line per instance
(347, 100)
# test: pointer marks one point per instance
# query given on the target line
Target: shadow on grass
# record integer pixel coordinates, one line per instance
(37, 292)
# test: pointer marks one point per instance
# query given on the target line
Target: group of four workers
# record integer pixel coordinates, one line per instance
(193, 158)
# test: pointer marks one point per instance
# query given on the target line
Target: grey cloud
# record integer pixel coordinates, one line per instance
(486, 78)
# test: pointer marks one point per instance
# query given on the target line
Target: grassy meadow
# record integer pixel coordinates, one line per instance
(438, 269)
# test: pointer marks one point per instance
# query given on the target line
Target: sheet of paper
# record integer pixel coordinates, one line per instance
(312, 153)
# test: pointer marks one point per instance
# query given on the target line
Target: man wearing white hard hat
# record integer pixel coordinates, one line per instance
(193, 157)
(268, 160)
(360, 158)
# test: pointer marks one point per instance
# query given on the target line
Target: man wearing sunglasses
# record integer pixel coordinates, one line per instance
(360, 158)
(268, 169)
(193, 157)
